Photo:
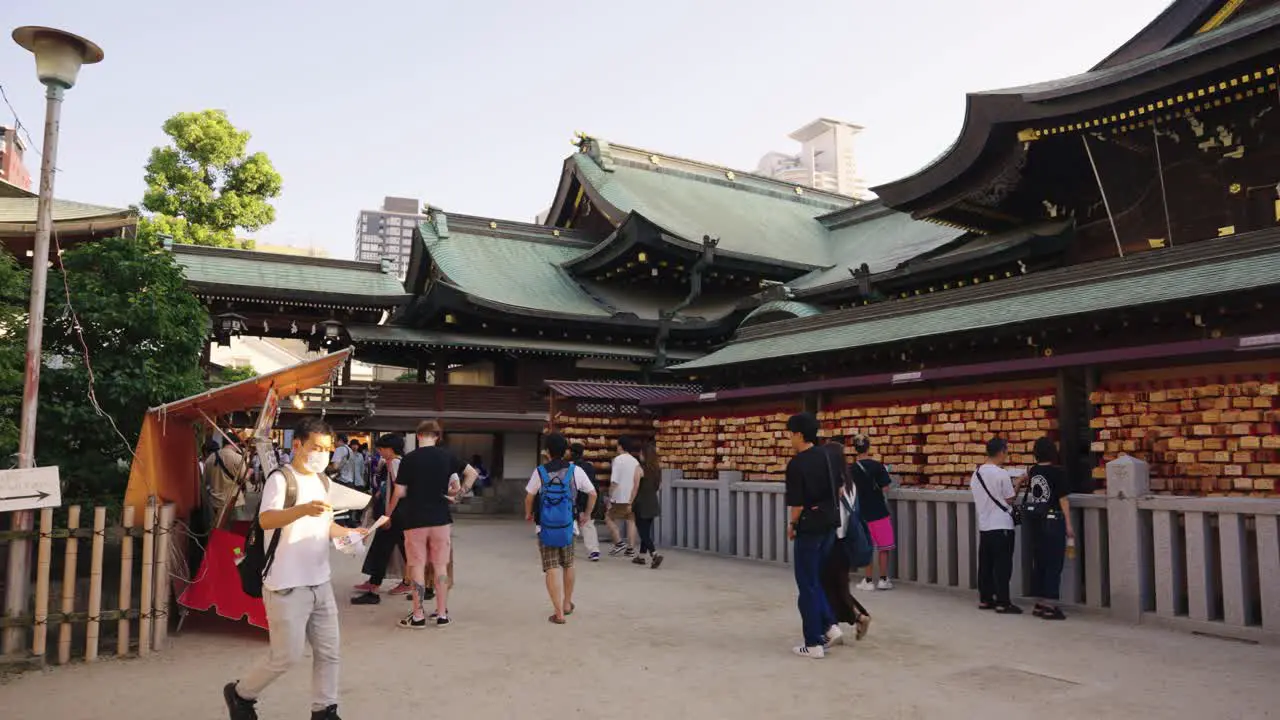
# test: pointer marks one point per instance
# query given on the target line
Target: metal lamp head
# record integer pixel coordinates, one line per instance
(59, 54)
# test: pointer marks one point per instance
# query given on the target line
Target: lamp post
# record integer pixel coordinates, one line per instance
(59, 56)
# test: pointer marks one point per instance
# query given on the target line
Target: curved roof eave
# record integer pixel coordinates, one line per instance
(984, 111)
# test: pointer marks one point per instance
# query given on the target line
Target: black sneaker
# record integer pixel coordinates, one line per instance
(237, 707)
(631, 552)
(329, 713)
(637, 560)
(366, 599)
(411, 623)
(442, 620)
(657, 560)
(1009, 609)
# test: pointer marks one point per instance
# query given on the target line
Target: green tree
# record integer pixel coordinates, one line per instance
(205, 185)
(14, 294)
(144, 332)
(236, 374)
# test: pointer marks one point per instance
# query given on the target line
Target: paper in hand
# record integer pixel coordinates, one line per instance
(343, 498)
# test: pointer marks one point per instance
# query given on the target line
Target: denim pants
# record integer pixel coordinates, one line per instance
(808, 557)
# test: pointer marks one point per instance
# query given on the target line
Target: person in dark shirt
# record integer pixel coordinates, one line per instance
(1048, 524)
(426, 490)
(811, 505)
(590, 535)
(871, 478)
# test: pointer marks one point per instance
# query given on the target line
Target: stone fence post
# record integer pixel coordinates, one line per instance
(724, 511)
(1128, 480)
(667, 501)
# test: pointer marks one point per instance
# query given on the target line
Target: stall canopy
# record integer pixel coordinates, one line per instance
(164, 465)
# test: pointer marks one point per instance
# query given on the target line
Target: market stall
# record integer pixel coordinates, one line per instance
(165, 468)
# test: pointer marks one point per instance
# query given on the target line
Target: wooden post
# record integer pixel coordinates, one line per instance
(163, 584)
(95, 584)
(144, 610)
(126, 584)
(69, 585)
(44, 557)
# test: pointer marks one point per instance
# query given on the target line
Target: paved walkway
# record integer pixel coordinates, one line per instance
(703, 637)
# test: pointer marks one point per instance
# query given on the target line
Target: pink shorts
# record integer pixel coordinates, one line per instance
(428, 543)
(882, 533)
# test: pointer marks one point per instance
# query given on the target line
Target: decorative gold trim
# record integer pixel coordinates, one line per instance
(1224, 13)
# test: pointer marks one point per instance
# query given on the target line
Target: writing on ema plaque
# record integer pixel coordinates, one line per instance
(29, 489)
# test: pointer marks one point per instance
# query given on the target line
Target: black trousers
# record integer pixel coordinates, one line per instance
(644, 527)
(385, 541)
(835, 584)
(1048, 550)
(995, 565)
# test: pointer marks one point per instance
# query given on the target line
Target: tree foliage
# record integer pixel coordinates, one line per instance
(144, 332)
(236, 374)
(205, 185)
(14, 294)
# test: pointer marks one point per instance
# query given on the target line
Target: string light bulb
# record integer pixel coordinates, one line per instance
(297, 402)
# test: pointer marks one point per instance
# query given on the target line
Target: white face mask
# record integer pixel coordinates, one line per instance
(317, 461)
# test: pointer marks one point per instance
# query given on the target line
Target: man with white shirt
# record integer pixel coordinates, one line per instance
(624, 482)
(993, 497)
(561, 501)
(299, 600)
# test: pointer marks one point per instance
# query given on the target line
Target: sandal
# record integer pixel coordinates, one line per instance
(556, 620)
(1009, 609)
(569, 612)
(986, 606)
(1053, 613)
(862, 625)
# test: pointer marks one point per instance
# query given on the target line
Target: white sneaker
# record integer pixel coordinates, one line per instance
(834, 636)
(866, 585)
(884, 584)
(816, 652)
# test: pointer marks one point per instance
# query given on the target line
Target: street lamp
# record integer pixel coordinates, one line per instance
(59, 56)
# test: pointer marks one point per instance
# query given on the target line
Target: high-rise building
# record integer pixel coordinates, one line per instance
(825, 161)
(12, 168)
(388, 232)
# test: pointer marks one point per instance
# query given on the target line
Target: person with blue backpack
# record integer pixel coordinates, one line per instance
(554, 487)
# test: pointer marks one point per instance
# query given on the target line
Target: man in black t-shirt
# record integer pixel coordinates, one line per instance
(425, 491)
(811, 503)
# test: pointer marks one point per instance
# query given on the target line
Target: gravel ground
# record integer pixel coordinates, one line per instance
(703, 637)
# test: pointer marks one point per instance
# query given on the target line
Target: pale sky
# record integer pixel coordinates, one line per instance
(471, 106)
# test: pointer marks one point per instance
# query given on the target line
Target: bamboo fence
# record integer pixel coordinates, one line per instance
(83, 617)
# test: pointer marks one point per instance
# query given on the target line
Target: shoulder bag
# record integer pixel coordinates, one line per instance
(1014, 512)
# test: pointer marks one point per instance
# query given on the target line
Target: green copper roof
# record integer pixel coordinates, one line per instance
(23, 211)
(248, 272)
(1024, 302)
(782, 307)
(752, 216)
(877, 236)
(511, 264)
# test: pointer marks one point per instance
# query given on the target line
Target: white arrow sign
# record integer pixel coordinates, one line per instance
(29, 489)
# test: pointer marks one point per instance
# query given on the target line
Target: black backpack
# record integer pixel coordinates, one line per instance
(256, 560)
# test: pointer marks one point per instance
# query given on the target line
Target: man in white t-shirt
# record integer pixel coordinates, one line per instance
(624, 482)
(993, 495)
(557, 562)
(340, 465)
(299, 600)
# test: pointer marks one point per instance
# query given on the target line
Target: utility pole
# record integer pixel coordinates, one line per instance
(59, 56)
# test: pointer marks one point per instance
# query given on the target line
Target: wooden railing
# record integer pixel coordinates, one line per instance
(416, 397)
(1209, 565)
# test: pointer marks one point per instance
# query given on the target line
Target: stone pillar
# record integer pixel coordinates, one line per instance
(666, 525)
(724, 511)
(1128, 479)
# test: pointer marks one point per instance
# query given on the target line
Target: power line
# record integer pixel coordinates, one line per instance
(18, 126)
